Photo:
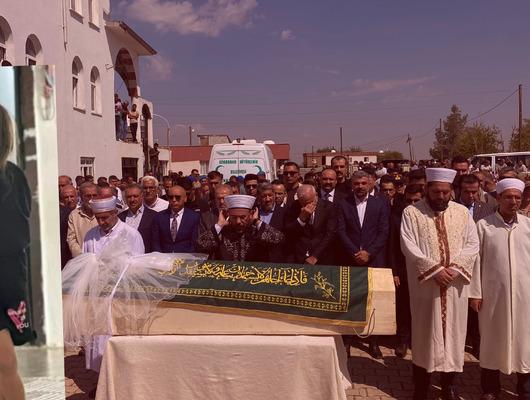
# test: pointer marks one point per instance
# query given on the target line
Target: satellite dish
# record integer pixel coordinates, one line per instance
(333, 150)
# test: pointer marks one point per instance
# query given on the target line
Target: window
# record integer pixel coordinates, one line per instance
(87, 166)
(95, 91)
(75, 5)
(3, 45)
(77, 83)
(33, 50)
(93, 12)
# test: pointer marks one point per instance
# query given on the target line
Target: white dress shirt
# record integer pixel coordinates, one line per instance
(158, 205)
(361, 208)
(133, 220)
(330, 196)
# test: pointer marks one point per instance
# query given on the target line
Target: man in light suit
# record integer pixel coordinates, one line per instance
(363, 227)
(138, 216)
(175, 230)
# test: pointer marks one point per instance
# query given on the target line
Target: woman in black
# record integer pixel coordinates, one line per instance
(15, 201)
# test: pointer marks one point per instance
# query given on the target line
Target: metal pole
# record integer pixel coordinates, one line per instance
(520, 116)
(341, 140)
(190, 131)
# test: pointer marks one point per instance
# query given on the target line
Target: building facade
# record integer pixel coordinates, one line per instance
(315, 160)
(90, 51)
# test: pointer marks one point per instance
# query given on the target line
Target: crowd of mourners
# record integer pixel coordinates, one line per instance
(455, 235)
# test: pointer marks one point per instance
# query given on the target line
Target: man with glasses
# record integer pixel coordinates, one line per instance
(175, 229)
(82, 219)
(251, 184)
(151, 199)
(291, 180)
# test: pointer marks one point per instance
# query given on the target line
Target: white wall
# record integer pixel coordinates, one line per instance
(64, 36)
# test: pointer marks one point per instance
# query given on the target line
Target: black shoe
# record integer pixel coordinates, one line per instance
(375, 351)
(489, 396)
(450, 394)
(401, 350)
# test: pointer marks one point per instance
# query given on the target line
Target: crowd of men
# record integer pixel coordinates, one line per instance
(455, 238)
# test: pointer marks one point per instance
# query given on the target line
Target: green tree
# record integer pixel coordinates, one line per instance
(446, 139)
(525, 138)
(479, 139)
(390, 155)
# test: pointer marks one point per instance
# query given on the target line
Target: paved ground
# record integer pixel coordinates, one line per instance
(42, 372)
(385, 379)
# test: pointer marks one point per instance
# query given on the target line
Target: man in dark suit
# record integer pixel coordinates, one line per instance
(363, 225)
(175, 230)
(138, 216)
(469, 192)
(328, 184)
(68, 196)
(273, 215)
(211, 217)
(341, 166)
(311, 227)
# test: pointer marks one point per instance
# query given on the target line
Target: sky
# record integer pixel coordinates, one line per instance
(296, 71)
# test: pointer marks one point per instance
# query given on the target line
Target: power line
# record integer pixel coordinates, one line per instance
(495, 106)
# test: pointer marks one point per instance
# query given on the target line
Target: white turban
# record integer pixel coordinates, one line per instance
(103, 205)
(510, 183)
(240, 201)
(440, 175)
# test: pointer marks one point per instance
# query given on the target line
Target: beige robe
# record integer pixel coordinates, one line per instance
(431, 243)
(502, 280)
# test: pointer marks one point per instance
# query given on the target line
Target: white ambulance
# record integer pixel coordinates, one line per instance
(241, 157)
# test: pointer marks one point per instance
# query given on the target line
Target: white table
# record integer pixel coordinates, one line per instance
(224, 367)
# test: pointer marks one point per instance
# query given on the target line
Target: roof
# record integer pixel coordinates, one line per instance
(280, 151)
(190, 153)
(122, 29)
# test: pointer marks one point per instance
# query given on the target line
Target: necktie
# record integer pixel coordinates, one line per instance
(327, 196)
(174, 227)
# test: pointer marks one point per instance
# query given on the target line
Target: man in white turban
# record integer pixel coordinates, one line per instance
(500, 292)
(440, 244)
(109, 227)
(242, 236)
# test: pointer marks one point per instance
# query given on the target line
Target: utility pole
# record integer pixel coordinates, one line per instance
(409, 141)
(341, 140)
(520, 116)
(444, 144)
(190, 131)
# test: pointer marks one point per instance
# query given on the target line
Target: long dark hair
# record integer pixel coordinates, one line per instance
(6, 137)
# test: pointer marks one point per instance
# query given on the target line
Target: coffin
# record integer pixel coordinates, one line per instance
(172, 318)
(231, 299)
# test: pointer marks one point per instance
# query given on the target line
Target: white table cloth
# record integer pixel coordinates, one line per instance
(221, 367)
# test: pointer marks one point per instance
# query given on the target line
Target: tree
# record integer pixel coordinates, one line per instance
(447, 138)
(525, 138)
(479, 139)
(389, 155)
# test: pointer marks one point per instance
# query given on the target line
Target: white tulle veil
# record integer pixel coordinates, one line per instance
(137, 284)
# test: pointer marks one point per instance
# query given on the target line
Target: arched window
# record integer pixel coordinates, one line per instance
(6, 43)
(33, 50)
(95, 91)
(77, 83)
